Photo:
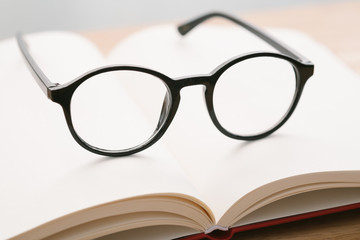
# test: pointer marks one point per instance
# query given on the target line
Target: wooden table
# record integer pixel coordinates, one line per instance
(335, 25)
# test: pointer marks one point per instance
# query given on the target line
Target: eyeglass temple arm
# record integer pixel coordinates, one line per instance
(44, 83)
(281, 47)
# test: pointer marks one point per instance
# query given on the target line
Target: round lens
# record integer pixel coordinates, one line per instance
(252, 96)
(119, 110)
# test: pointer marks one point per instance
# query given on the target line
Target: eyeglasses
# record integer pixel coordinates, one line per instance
(248, 97)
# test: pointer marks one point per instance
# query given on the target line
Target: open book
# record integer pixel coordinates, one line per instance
(51, 188)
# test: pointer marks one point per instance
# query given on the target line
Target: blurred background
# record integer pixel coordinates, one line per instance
(88, 15)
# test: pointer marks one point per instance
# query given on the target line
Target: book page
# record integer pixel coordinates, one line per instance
(303, 203)
(322, 134)
(44, 173)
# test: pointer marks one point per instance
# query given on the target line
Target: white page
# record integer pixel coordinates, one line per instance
(44, 173)
(322, 134)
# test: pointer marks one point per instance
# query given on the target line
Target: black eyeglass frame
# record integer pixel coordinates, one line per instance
(62, 93)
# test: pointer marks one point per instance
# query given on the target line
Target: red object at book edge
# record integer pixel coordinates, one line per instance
(227, 235)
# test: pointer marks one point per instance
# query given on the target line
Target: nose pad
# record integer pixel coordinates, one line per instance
(164, 110)
(204, 96)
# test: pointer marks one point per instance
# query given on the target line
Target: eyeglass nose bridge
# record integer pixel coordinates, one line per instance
(193, 80)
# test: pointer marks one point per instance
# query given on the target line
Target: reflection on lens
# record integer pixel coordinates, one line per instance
(252, 96)
(118, 110)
